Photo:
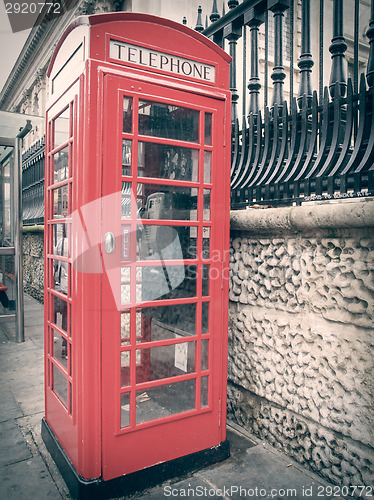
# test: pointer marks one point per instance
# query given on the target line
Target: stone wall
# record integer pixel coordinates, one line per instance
(33, 264)
(301, 334)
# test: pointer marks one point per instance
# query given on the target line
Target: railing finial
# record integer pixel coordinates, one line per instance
(214, 16)
(199, 22)
(337, 49)
(233, 3)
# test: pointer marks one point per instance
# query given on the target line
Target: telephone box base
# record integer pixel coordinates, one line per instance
(90, 489)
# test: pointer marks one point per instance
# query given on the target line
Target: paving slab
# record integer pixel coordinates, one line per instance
(27, 480)
(13, 445)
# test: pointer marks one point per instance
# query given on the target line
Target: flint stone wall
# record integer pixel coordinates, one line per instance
(301, 334)
(33, 263)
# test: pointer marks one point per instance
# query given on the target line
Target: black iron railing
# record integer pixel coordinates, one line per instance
(33, 184)
(316, 144)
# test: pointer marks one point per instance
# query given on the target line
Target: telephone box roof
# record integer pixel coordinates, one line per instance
(107, 20)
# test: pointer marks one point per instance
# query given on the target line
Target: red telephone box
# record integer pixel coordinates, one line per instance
(136, 251)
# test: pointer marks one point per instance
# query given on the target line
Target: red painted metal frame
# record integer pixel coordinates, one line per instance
(89, 429)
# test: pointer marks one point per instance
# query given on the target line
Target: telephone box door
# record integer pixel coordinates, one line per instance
(164, 318)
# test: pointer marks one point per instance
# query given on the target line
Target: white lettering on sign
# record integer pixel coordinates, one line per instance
(142, 56)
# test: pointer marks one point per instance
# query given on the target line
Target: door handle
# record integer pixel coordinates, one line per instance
(109, 242)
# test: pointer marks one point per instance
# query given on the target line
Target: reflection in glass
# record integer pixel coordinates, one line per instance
(204, 391)
(204, 354)
(125, 328)
(208, 129)
(61, 165)
(60, 313)
(165, 322)
(169, 360)
(60, 348)
(167, 162)
(60, 276)
(206, 242)
(125, 294)
(61, 128)
(125, 410)
(165, 282)
(206, 205)
(168, 121)
(60, 231)
(125, 285)
(126, 157)
(125, 368)
(168, 202)
(205, 279)
(126, 200)
(164, 400)
(207, 166)
(166, 242)
(60, 385)
(127, 114)
(60, 198)
(205, 318)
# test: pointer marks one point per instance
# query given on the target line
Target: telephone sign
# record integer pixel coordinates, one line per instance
(137, 223)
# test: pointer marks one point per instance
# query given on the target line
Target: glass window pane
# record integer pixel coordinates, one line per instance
(204, 391)
(125, 328)
(60, 197)
(125, 410)
(125, 368)
(165, 400)
(167, 162)
(60, 315)
(206, 211)
(60, 348)
(60, 235)
(60, 279)
(61, 128)
(165, 282)
(126, 157)
(125, 285)
(208, 129)
(60, 385)
(168, 121)
(165, 322)
(127, 114)
(204, 354)
(167, 202)
(206, 242)
(205, 279)
(166, 242)
(205, 318)
(61, 165)
(207, 166)
(169, 360)
(126, 200)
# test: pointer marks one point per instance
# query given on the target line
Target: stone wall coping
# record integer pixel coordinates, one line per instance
(33, 229)
(341, 215)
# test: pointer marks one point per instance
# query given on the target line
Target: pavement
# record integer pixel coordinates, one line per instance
(27, 471)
